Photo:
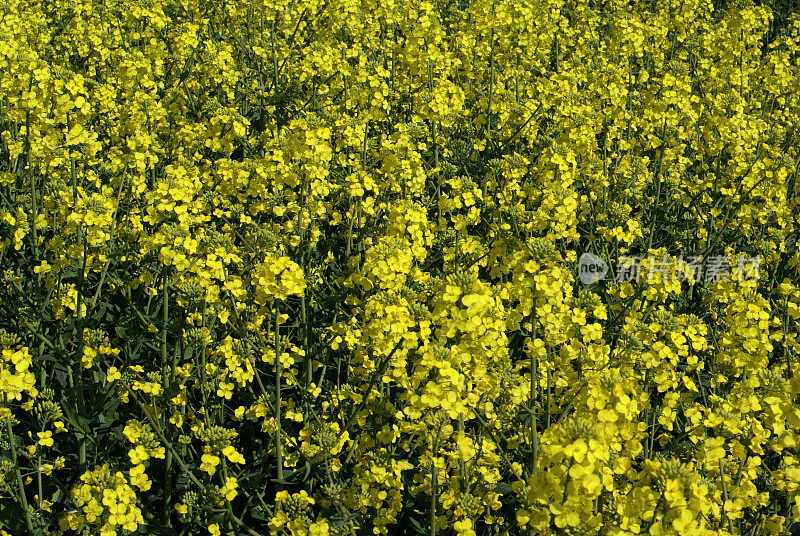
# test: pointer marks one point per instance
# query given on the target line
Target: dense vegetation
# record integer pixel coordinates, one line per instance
(311, 268)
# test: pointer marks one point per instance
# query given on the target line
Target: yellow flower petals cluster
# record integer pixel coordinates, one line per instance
(314, 264)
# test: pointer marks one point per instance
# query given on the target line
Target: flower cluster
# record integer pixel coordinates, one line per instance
(308, 268)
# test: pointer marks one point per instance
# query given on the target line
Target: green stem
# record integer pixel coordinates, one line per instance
(23, 500)
(462, 469)
(165, 380)
(724, 496)
(434, 486)
(157, 428)
(278, 446)
(534, 366)
(491, 87)
(547, 420)
(34, 231)
(76, 362)
(39, 479)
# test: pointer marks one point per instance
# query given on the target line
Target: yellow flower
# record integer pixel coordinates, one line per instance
(45, 438)
(319, 528)
(138, 454)
(278, 521)
(113, 374)
(139, 478)
(176, 419)
(229, 489)
(232, 455)
(209, 463)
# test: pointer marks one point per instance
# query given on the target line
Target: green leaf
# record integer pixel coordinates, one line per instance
(417, 526)
(75, 419)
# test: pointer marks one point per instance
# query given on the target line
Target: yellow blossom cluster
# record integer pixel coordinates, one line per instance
(318, 268)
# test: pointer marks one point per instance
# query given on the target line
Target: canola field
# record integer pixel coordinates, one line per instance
(361, 267)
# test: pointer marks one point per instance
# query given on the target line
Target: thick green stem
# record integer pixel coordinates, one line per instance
(76, 362)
